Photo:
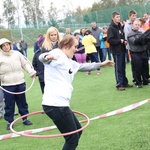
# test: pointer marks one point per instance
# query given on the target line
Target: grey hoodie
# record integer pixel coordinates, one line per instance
(96, 32)
(127, 30)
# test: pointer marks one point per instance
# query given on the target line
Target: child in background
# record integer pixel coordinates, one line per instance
(88, 41)
(104, 45)
(80, 54)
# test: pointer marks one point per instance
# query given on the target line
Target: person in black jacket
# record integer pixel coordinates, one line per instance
(115, 38)
(139, 56)
(38, 66)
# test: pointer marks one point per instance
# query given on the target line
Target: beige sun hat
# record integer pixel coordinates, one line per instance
(4, 40)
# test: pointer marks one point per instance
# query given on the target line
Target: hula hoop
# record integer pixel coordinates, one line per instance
(49, 136)
(33, 79)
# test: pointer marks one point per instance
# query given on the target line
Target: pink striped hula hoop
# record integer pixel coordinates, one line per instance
(49, 136)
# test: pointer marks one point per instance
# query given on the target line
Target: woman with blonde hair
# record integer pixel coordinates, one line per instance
(52, 39)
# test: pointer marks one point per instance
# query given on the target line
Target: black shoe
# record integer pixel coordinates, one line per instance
(27, 122)
(8, 126)
(146, 83)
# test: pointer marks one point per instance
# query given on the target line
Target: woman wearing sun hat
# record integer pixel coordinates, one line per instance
(12, 78)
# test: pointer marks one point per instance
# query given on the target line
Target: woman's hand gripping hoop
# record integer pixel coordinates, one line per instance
(48, 136)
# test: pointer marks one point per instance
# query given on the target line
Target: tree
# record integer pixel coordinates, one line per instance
(86, 18)
(53, 23)
(78, 15)
(1, 21)
(96, 6)
(9, 11)
(52, 12)
(103, 4)
(52, 15)
(32, 12)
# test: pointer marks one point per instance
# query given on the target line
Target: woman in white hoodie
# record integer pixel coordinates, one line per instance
(59, 73)
(12, 78)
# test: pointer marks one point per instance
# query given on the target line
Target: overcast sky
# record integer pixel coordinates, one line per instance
(69, 4)
(59, 4)
(73, 4)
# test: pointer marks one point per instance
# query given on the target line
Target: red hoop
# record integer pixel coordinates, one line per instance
(48, 136)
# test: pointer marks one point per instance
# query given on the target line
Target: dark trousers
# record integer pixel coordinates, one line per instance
(11, 99)
(93, 57)
(140, 68)
(120, 67)
(66, 121)
(99, 51)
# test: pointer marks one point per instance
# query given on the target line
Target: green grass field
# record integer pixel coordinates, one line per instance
(93, 95)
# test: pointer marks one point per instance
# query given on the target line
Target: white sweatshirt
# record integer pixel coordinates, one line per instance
(58, 77)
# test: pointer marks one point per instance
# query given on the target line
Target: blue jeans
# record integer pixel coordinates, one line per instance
(24, 52)
(105, 51)
(66, 121)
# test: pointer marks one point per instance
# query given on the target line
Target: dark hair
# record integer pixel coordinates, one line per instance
(76, 33)
(115, 14)
(41, 40)
(8, 43)
(81, 31)
(67, 41)
(40, 35)
(131, 12)
(87, 32)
